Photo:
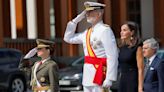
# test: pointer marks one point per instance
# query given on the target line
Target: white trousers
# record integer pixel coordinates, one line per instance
(95, 89)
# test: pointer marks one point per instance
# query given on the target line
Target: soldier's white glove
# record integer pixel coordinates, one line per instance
(107, 83)
(31, 53)
(79, 17)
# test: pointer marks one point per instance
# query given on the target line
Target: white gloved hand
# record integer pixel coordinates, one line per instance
(79, 17)
(107, 83)
(31, 53)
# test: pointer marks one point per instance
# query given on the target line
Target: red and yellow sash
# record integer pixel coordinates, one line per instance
(99, 63)
(89, 48)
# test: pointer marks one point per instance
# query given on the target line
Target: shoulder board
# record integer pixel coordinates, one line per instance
(106, 25)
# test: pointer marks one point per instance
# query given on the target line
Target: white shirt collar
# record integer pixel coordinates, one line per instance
(151, 59)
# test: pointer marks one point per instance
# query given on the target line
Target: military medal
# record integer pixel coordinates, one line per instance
(94, 46)
(98, 42)
(42, 79)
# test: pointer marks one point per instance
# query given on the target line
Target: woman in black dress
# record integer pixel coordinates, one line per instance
(130, 59)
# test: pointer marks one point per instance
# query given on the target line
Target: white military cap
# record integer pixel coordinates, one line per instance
(93, 6)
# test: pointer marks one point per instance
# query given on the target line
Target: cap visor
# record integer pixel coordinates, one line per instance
(42, 46)
(89, 9)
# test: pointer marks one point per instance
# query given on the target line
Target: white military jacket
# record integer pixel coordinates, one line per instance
(104, 46)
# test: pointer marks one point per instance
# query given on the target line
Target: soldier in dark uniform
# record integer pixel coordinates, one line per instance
(44, 77)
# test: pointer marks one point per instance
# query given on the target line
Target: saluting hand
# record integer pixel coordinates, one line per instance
(79, 17)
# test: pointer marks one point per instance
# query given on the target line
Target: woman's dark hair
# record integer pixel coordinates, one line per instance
(51, 50)
(133, 27)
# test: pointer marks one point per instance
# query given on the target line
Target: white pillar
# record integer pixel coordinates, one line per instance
(147, 18)
(31, 19)
(13, 19)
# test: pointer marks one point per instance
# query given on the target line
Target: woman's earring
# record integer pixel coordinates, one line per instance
(48, 50)
(131, 38)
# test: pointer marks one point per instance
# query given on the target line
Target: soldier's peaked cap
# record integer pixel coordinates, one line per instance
(93, 5)
(41, 43)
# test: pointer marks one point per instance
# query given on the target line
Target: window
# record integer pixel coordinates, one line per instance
(134, 12)
(52, 19)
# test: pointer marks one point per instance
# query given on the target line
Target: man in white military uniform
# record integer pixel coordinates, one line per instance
(100, 49)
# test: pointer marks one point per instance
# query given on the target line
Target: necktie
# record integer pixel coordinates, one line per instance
(146, 67)
(40, 62)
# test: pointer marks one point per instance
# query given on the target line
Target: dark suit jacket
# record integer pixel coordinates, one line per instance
(47, 75)
(154, 78)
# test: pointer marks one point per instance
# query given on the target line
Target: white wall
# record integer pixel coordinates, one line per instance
(13, 19)
(31, 19)
(147, 19)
